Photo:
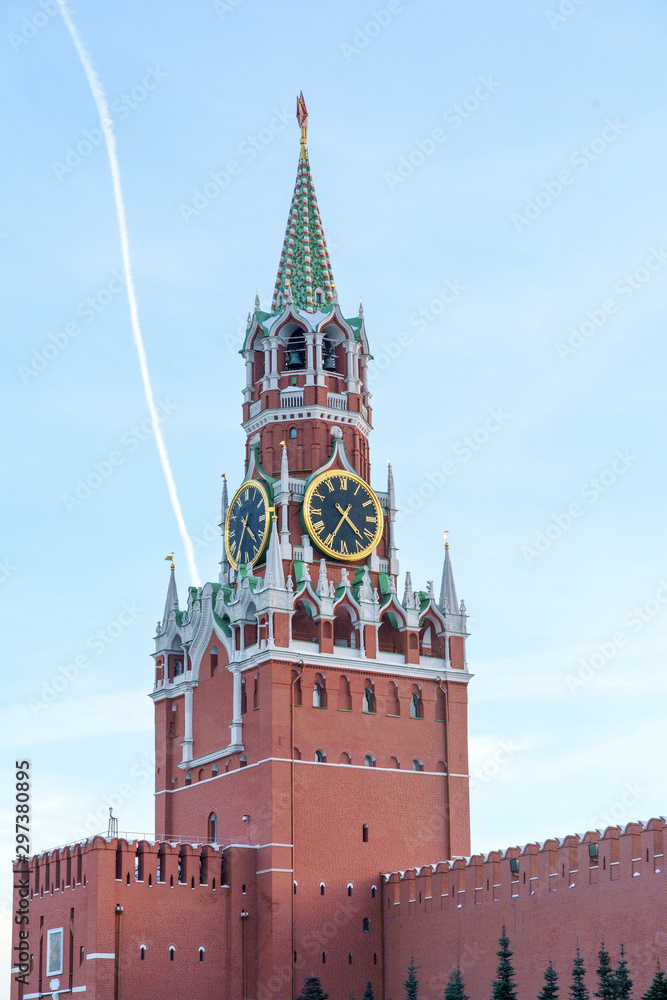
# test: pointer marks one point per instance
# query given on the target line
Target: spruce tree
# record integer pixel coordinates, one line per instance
(411, 984)
(606, 980)
(455, 989)
(622, 979)
(312, 990)
(658, 988)
(504, 987)
(368, 992)
(578, 988)
(550, 989)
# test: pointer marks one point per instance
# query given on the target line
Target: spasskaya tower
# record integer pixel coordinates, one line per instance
(303, 709)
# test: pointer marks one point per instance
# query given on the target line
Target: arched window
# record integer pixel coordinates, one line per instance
(369, 697)
(345, 758)
(201, 774)
(394, 762)
(369, 760)
(142, 952)
(188, 778)
(344, 631)
(255, 693)
(292, 432)
(344, 696)
(172, 952)
(350, 887)
(387, 636)
(213, 827)
(319, 296)
(319, 692)
(297, 753)
(321, 888)
(393, 704)
(303, 626)
(364, 833)
(417, 764)
(243, 760)
(320, 756)
(366, 924)
(214, 770)
(214, 659)
(373, 891)
(244, 698)
(328, 354)
(416, 705)
(295, 352)
(201, 954)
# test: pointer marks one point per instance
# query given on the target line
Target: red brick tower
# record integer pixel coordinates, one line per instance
(303, 711)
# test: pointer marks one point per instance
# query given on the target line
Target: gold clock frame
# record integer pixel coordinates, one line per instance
(312, 487)
(255, 484)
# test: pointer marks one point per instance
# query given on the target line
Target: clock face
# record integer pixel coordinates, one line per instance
(247, 526)
(342, 515)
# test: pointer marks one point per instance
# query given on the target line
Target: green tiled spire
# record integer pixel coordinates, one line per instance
(304, 265)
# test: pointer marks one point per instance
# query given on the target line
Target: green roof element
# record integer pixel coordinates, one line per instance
(304, 265)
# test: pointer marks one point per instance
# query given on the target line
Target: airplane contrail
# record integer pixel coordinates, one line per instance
(110, 141)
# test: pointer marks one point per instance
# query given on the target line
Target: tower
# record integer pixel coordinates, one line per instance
(302, 710)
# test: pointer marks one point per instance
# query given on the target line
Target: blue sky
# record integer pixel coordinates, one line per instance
(491, 182)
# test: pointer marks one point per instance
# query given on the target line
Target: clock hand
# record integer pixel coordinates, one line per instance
(244, 521)
(344, 513)
(251, 535)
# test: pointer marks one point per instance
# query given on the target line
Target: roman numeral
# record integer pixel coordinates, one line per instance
(343, 482)
(358, 544)
(367, 503)
(343, 549)
(318, 526)
(262, 517)
(247, 494)
(330, 485)
(373, 520)
(329, 540)
(318, 495)
(260, 504)
(315, 510)
(368, 534)
(357, 489)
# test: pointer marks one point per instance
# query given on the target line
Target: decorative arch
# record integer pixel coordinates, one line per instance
(304, 628)
(416, 703)
(393, 701)
(344, 695)
(369, 706)
(320, 691)
(345, 633)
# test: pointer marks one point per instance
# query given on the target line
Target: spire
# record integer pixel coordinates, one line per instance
(304, 266)
(448, 599)
(171, 604)
(224, 504)
(257, 302)
(275, 575)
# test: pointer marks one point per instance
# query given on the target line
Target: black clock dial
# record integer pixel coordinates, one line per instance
(247, 526)
(342, 515)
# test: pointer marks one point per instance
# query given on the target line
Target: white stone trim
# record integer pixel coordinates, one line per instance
(101, 954)
(316, 411)
(265, 870)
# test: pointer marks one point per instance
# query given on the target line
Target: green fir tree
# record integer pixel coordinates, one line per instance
(411, 984)
(504, 987)
(550, 989)
(368, 992)
(606, 980)
(622, 979)
(658, 988)
(312, 990)
(455, 989)
(578, 988)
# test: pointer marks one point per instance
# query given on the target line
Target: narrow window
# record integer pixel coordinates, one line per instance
(214, 770)
(81, 954)
(188, 778)
(349, 888)
(317, 696)
(373, 892)
(150, 879)
(292, 432)
(324, 957)
(366, 924)
(417, 765)
(349, 958)
(201, 954)
(214, 659)
(243, 760)
(295, 885)
(255, 693)
(171, 954)
(321, 888)
(320, 756)
(375, 958)
(368, 699)
(364, 837)
(244, 699)
(142, 952)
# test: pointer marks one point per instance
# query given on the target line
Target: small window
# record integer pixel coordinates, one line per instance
(367, 924)
(188, 778)
(373, 892)
(321, 888)
(214, 659)
(324, 957)
(369, 699)
(172, 951)
(292, 432)
(350, 887)
(243, 760)
(417, 765)
(201, 954)
(213, 827)
(369, 760)
(320, 756)
(414, 707)
(214, 770)
(349, 958)
(317, 696)
(364, 833)
(142, 952)
(295, 885)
